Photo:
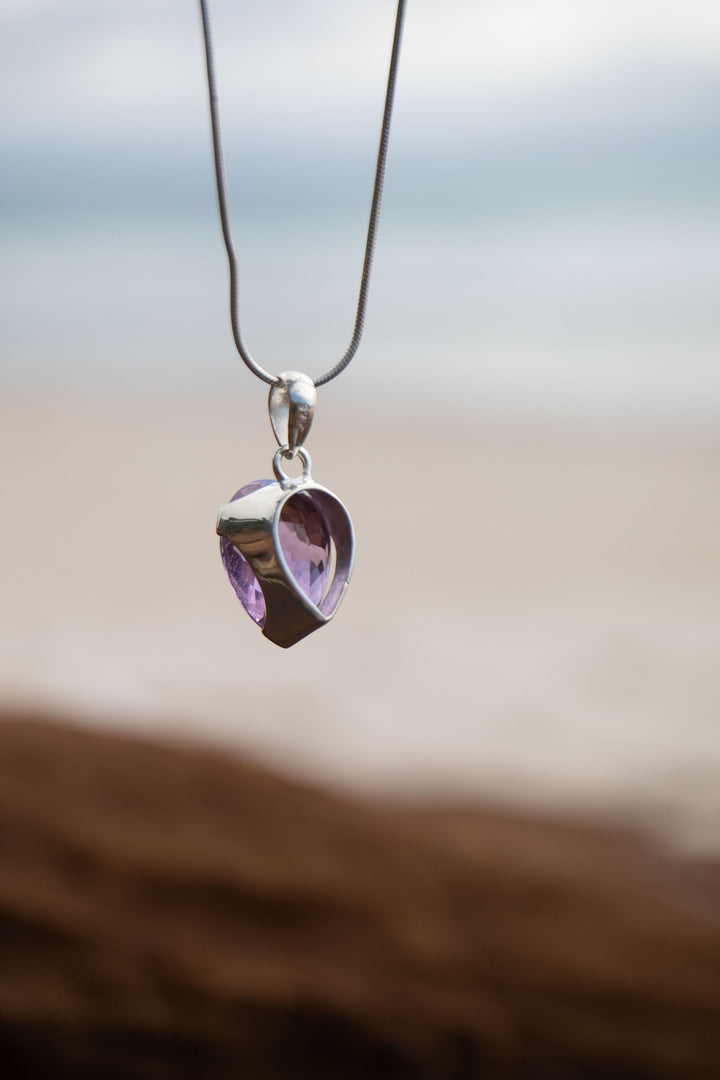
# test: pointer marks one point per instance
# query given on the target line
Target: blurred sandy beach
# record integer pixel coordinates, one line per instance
(527, 441)
(534, 615)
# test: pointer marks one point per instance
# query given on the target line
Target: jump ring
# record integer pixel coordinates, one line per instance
(287, 453)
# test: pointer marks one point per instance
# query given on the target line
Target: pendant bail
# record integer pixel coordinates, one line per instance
(291, 405)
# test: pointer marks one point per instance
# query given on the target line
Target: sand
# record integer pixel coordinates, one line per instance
(534, 616)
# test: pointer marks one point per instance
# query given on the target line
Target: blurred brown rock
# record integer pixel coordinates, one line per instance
(170, 912)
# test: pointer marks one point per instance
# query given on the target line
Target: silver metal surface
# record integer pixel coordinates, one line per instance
(251, 524)
(221, 183)
(291, 405)
(286, 454)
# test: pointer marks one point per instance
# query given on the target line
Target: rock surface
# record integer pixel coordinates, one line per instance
(169, 912)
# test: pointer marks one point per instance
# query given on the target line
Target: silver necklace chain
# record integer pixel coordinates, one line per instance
(221, 178)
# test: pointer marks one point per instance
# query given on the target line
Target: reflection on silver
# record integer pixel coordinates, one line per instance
(291, 405)
(251, 524)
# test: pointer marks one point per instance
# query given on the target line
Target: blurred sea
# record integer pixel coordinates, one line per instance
(612, 316)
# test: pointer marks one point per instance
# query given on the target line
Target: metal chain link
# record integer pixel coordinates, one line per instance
(221, 179)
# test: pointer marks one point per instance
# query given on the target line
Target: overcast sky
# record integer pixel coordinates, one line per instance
(551, 195)
(123, 71)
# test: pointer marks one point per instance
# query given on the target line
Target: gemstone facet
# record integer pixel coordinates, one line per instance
(238, 569)
(306, 545)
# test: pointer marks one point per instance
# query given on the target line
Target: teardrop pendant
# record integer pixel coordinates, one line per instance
(287, 546)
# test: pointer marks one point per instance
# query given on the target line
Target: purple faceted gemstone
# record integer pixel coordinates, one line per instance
(306, 544)
(238, 569)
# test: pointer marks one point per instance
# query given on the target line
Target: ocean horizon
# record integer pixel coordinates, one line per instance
(611, 317)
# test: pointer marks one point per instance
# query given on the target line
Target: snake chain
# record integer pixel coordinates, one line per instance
(221, 179)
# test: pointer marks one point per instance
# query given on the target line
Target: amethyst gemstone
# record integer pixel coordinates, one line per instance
(307, 549)
(306, 544)
(238, 569)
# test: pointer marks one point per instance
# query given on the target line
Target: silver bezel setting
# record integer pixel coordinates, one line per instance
(251, 523)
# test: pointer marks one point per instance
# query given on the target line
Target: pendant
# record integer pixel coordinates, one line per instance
(287, 544)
